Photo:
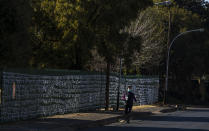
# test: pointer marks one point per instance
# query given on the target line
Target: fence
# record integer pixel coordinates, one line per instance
(145, 89)
(25, 96)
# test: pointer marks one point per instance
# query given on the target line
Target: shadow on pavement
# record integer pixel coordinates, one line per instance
(42, 124)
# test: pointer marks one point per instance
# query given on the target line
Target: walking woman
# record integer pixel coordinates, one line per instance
(129, 103)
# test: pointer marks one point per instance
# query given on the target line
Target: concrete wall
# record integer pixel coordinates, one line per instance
(26, 96)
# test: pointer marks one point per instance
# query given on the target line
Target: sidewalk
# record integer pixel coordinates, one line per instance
(75, 121)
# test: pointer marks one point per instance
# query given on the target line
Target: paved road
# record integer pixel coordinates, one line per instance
(193, 119)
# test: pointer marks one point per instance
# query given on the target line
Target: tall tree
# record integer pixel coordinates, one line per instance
(149, 27)
(109, 18)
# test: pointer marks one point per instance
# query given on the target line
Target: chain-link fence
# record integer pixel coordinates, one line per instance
(34, 93)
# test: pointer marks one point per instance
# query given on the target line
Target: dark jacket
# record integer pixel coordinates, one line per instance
(131, 98)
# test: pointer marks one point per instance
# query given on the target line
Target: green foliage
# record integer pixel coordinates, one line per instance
(62, 31)
(75, 34)
(189, 53)
(189, 50)
(152, 26)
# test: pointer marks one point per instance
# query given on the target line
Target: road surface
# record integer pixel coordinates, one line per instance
(193, 119)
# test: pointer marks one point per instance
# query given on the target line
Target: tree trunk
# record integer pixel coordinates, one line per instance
(107, 85)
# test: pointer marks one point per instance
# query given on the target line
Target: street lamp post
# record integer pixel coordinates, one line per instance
(168, 55)
(166, 3)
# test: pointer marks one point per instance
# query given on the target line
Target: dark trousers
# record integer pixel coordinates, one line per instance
(128, 109)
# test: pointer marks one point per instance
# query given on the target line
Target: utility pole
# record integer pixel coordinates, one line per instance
(118, 95)
(166, 3)
(168, 44)
(107, 86)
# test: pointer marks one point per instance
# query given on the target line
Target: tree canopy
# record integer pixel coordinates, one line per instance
(82, 35)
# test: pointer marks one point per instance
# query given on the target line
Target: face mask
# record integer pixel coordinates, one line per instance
(129, 90)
